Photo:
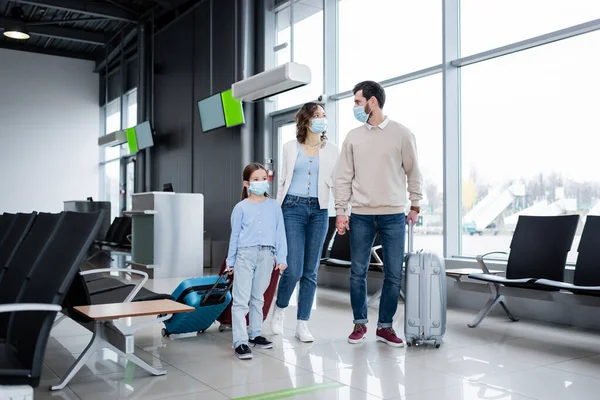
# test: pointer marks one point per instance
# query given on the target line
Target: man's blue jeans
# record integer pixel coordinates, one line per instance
(363, 229)
(305, 229)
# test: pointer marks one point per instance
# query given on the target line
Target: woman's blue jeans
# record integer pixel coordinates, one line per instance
(305, 229)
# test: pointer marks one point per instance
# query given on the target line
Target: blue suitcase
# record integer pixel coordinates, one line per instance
(209, 295)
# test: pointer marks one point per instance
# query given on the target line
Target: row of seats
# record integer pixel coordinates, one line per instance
(40, 259)
(118, 235)
(40, 254)
(117, 238)
(537, 259)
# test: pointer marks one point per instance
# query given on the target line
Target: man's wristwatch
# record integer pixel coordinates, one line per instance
(415, 208)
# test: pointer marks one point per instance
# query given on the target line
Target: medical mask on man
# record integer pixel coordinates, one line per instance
(259, 188)
(318, 125)
(360, 114)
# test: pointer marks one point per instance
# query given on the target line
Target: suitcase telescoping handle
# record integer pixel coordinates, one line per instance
(410, 237)
(212, 289)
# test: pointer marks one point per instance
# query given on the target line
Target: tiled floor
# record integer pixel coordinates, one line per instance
(499, 360)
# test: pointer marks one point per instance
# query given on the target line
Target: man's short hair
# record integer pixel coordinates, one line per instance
(371, 89)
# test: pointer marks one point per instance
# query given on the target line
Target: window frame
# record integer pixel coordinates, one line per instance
(450, 70)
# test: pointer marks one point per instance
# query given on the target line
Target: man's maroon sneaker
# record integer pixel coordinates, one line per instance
(358, 335)
(388, 336)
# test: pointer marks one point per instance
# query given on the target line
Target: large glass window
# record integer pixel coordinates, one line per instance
(381, 39)
(308, 48)
(418, 106)
(529, 139)
(111, 186)
(112, 124)
(132, 118)
(489, 24)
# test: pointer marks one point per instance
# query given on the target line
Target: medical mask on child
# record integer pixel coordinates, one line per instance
(318, 125)
(360, 114)
(259, 188)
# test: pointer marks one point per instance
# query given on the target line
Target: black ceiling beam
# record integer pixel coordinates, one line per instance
(113, 51)
(40, 50)
(57, 32)
(90, 8)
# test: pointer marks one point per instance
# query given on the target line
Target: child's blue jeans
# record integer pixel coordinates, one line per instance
(253, 268)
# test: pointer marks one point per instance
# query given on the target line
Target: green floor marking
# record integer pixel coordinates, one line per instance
(282, 394)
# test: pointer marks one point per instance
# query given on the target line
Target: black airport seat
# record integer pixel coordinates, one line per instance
(587, 268)
(330, 233)
(103, 284)
(121, 234)
(538, 250)
(341, 254)
(22, 354)
(15, 273)
(119, 295)
(6, 221)
(110, 234)
(15, 236)
(80, 295)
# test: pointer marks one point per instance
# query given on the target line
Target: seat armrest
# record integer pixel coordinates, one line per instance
(375, 255)
(137, 287)
(6, 308)
(481, 263)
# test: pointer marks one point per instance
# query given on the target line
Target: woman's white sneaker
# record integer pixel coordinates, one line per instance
(302, 332)
(277, 320)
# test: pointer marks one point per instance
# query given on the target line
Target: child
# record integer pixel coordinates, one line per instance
(257, 244)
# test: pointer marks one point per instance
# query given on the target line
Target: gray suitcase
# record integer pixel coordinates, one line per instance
(425, 297)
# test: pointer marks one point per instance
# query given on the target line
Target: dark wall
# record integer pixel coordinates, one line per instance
(195, 57)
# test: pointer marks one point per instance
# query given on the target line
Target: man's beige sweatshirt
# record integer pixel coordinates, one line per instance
(376, 167)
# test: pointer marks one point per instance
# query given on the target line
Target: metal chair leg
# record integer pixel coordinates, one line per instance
(92, 347)
(491, 303)
(506, 309)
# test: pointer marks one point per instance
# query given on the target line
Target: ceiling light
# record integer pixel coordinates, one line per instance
(15, 27)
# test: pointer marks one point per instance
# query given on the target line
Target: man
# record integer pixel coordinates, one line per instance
(377, 164)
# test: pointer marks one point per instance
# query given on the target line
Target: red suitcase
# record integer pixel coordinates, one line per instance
(225, 317)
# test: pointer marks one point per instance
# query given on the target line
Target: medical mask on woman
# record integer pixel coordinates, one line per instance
(259, 188)
(318, 125)
(360, 114)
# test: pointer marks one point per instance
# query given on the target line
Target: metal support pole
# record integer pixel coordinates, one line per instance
(141, 104)
(330, 66)
(245, 69)
(452, 145)
(291, 30)
(149, 104)
(122, 161)
(145, 99)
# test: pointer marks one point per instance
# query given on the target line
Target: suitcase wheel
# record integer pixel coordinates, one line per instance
(409, 343)
(437, 345)
(164, 332)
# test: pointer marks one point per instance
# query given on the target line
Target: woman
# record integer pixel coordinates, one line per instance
(305, 185)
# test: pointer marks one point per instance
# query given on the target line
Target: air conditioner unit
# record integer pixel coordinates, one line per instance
(112, 139)
(274, 81)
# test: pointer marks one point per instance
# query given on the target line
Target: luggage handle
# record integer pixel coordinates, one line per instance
(223, 275)
(410, 237)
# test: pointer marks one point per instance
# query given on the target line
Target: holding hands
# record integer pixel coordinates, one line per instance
(342, 224)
